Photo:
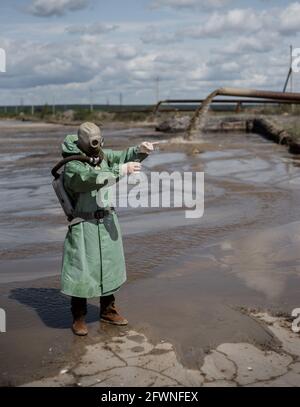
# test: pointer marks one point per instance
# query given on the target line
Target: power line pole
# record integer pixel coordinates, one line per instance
(157, 81)
(121, 99)
(291, 63)
(53, 106)
(91, 101)
(292, 76)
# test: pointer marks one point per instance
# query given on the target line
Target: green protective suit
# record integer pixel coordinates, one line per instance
(93, 259)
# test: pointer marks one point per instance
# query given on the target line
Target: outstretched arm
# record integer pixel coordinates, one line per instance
(136, 153)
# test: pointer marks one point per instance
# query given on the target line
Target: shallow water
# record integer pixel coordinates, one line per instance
(242, 252)
(249, 182)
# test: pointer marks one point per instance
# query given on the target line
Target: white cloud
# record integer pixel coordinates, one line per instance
(233, 21)
(92, 29)
(192, 54)
(63, 63)
(290, 19)
(48, 8)
(126, 52)
(153, 35)
(261, 42)
(181, 4)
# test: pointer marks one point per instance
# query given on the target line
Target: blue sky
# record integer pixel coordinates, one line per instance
(66, 50)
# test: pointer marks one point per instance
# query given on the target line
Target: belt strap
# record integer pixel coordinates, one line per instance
(98, 214)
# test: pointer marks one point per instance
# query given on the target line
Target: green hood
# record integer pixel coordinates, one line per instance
(69, 146)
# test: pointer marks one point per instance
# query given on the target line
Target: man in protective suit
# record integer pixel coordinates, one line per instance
(93, 259)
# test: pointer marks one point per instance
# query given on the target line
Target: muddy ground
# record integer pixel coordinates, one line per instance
(189, 281)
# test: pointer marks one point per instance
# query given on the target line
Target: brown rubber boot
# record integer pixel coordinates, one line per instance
(79, 327)
(79, 310)
(109, 313)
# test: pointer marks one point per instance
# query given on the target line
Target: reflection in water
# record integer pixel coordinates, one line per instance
(266, 260)
(267, 263)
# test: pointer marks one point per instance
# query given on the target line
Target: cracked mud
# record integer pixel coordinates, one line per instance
(120, 362)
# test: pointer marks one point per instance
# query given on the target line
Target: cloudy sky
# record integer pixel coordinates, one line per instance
(67, 50)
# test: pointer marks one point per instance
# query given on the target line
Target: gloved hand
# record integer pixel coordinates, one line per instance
(146, 147)
(131, 168)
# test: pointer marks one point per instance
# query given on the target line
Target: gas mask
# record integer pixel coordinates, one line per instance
(90, 140)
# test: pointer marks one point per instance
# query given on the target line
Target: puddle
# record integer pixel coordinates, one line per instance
(164, 159)
(255, 268)
(242, 252)
(249, 183)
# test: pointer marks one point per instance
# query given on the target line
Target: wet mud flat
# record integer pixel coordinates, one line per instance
(188, 280)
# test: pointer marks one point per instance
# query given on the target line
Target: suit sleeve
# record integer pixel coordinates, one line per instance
(79, 177)
(123, 157)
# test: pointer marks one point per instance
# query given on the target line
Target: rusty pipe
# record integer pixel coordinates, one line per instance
(250, 101)
(221, 101)
(198, 119)
(260, 94)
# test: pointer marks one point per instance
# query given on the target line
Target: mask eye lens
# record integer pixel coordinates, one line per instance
(95, 143)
